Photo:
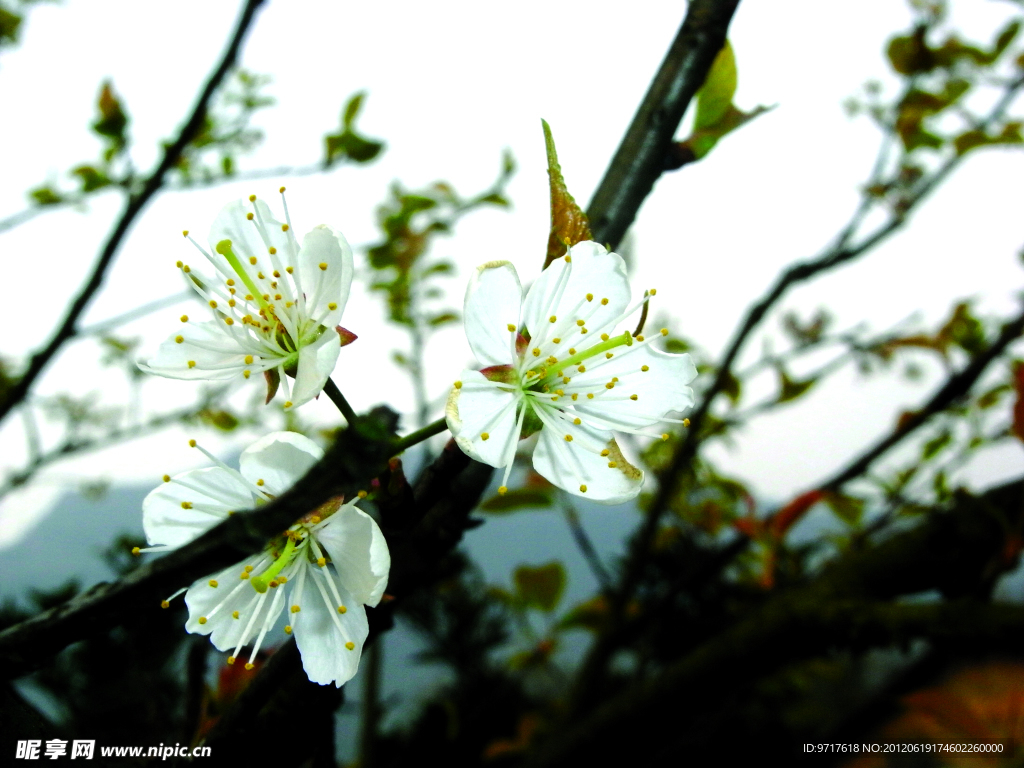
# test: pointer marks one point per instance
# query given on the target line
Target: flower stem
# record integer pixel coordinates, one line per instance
(434, 428)
(332, 391)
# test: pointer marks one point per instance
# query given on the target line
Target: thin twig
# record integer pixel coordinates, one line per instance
(585, 545)
(134, 206)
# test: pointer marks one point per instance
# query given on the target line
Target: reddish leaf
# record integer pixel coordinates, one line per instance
(568, 221)
(790, 514)
(1018, 407)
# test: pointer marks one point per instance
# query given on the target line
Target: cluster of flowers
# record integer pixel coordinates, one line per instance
(553, 363)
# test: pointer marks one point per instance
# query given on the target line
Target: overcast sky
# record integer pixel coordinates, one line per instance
(450, 85)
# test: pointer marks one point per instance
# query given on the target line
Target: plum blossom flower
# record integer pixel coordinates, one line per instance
(276, 305)
(556, 365)
(322, 570)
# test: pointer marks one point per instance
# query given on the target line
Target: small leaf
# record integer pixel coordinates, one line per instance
(849, 509)
(222, 420)
(790, 389)
(112, 120)
(936, 444)
(568, 221)
(592, 615)
(92, 179)
(273, 377)
(515, 500)
(715, 96)
(443, 319)
(1018, 406)
(45, 195)
(352, 107)
(540, 587)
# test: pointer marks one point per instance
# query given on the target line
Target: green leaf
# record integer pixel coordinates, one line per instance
(702, 141)
(348, 142)
(352, 108)
(45, 195)
(849, 509)
(92, 178)
(222, 420)
(715, 97)
(9, 24)
(112, 121)
(790, 389)
(540, 587)
(592, 615)
(515, 500)
(936, 444)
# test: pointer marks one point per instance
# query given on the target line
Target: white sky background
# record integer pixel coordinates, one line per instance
(450, 84)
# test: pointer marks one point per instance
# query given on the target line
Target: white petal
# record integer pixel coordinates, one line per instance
(167, 523)
(316, 364)
(493, 300)
(321, 643)
(324, 245)
(593, 271)
(480, 407)
(217, 354)
(225, 631)
(279, 459)
(358, 551)
(570, 465)
(660, 390)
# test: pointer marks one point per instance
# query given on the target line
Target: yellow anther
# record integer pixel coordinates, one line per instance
(249, 216)
(248, 297)
(252, 198)
(332, 306)
(249, 666)
(323, 265)
(640, 337)
(231, 302)
(362, 494)
(276, 273)
(167, 478)
(248, 359)
(136, 551)
(296, 608)
(572, 350)
(645, 368)
(553, 319)
(485, 436)
(566, 379)
(184, 318)
(179, 264)
(186, 505)
(552, 360)
(213, 303)
(559, 392)
(612, 465)
(202, 619)
(610, 385)
(287, 403)
(568, 259)
(179, 339)
(184, 233)
(281, 190)
(608, 355)
(321, 561)
(164, 604)
(231, 659)
(590, 297)
(664, 435)
(536, 351)
(261, 276)
(605, 452)
(653, 291)
(604, 301)
(632, 397)
(577, 421)
(229, 321)
(615, 379)
(502, 490)
(248, 569)
(583, 330)
(590, 395)
(213, 583)
(583, 489)
(289, 270)
(342, 609)
(246, 374)
(252, 260)
(229, 282)
(260, 481)
(191, 443)
(287, 629)
(266, 297)
(284, 227)
(271, 250)
(556, 340)
(234, 614)
(350, 645)
(273, 583)
(568, 438)
(604, 337)
(574, 395)
(581, 323)
(581, 368)
(686, 422)
(186, 269)
(458, 385)
(664, 331)
(511, 328)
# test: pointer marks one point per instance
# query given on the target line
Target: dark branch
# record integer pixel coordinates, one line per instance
(133, 208)
(640, 158)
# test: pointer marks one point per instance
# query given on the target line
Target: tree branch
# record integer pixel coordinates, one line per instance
(133, 208)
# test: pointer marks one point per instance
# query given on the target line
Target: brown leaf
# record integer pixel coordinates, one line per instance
(569, 223)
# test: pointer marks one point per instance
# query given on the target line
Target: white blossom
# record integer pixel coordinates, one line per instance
(276, 305)
(322, 571)
(556, 363)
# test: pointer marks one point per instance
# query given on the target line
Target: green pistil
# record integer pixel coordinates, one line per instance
(262, 582)
(586, 354)
(224, 249)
